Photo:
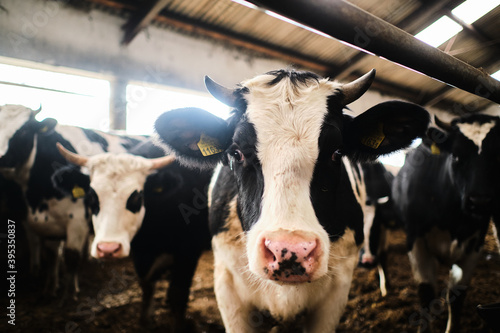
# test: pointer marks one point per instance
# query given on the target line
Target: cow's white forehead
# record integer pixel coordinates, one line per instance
(287, 119)
(12, 118)
(476, 132)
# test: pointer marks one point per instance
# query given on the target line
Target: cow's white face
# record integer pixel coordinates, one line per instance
(116, 201)
(288, 122)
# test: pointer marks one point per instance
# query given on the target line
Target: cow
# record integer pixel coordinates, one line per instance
(28, 155)
(153, 209)
(379, 218)
(446, 194)
(286, 199)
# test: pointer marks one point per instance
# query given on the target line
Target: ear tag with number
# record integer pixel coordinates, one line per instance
(374, 139)
(78, 192)
(435, 149)
(44, 129)
(208, 145)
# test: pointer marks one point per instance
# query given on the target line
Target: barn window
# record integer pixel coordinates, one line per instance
(71, 99)
(145, 103)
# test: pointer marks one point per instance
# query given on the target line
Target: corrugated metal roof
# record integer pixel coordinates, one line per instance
(478, 46)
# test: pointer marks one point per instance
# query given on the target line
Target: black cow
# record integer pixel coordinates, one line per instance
(446, 194)
(286, 208)
(378, 220)
(159, 212)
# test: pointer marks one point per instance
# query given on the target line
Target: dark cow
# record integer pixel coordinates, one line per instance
(158, 212)
(446, 194)
(378, 220)
(286, 209)
(29, 155)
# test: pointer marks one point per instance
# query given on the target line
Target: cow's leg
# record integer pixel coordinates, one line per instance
(147, 306)
(52, 256)
(76, 241)
(382, 261)
(236, 316)
(35, 247)
(149, 266)
(424, 266)
(460, 276)
(178, 291)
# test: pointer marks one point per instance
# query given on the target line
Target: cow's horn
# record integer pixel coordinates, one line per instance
(37, 111)
(72, 157)
(442, 124)
(158, 163)
(355, 89)
(223, 94)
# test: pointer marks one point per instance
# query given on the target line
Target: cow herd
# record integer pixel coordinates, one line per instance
(286, 192)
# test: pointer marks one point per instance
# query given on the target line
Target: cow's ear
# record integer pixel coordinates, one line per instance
(47, 126)
(438, 138)
(197, 137)
(71, 181)
(383, 129)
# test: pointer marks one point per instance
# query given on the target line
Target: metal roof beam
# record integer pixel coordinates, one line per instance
(141, 19)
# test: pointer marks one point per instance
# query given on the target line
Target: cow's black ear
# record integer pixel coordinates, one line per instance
(71, 181)
(197, 137)
(383, 129)
(47, 126)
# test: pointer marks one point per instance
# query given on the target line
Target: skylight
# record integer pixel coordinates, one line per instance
(439, 32)
(471, 10)
(445, 28)
(496, 75)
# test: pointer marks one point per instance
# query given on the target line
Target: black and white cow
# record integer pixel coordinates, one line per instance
(378, 220)
(446, 194)
(28, 154)
(286, 202)
(153, 208)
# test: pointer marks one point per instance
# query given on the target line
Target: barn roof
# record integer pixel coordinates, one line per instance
(254, 30)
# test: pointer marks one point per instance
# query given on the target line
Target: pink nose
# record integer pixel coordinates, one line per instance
(290, 258)
(109, 250)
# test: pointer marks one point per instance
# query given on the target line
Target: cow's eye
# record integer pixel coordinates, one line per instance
(237, 155)
(337, 155)
(134, 202)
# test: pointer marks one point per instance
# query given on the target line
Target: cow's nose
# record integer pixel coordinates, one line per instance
(109, 250)
(290, 258)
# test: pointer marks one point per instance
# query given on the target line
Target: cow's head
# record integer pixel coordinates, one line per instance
(284, 144)
(113, 192)
(18, 129)
(472, 146)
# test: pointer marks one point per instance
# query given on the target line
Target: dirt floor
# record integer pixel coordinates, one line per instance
(110, 299)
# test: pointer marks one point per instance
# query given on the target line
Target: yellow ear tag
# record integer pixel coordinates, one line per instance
(44, 129)
(374, 139)
(208, 146)
(158, 189)
(435, 149)
(78, 192)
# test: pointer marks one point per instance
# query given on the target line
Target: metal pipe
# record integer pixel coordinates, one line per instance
(348, 23)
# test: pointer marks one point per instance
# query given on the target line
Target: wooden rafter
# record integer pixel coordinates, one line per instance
(142, 19)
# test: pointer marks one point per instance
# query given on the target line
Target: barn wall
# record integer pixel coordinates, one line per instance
(53, 33)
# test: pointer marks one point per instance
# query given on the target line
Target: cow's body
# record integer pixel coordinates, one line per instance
(158, 214)
(286, 209)
(378, 220)
(446, 201)
(30, 156)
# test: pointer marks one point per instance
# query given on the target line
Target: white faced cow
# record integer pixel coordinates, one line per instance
(286, 202)
(161, 217)
(114, 195)
(28, 155)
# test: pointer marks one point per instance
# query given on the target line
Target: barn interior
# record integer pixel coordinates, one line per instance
(115, 65)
